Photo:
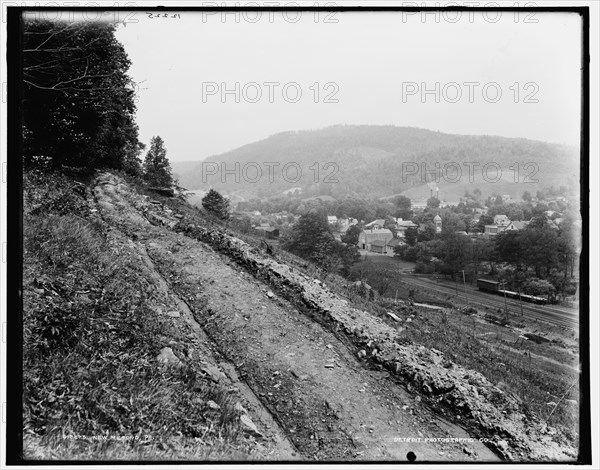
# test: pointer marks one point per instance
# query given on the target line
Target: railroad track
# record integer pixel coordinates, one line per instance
(550, 314)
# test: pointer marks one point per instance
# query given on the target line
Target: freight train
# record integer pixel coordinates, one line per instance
(493, 287)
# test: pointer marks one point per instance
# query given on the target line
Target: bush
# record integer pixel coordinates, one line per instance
(423, 268)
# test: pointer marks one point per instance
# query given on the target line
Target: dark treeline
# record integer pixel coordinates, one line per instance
(78, 105)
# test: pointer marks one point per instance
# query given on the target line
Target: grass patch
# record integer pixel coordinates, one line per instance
(92, 388)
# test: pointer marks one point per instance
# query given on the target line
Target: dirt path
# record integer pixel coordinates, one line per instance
(305, 388)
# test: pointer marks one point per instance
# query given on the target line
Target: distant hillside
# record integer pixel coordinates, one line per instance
(381, 161)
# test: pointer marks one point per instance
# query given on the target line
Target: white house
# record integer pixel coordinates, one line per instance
(501, 219)
(367, 237)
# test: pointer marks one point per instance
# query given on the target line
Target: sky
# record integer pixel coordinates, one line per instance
(209, 83)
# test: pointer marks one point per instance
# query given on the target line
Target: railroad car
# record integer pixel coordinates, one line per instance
(488, 286)
(493, 287)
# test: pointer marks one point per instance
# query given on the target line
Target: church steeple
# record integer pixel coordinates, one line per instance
(437, 220)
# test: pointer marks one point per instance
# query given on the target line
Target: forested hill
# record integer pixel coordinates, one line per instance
(374, 160)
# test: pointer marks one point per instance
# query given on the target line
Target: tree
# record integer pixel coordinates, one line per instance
(402, 203)
(310, 237)
(157, 169)
(484, 220)
(433, 202)
(78, 101)
(216, 204)
(410, 236)
(340, 258)
(351, 235)
(527, 196)
(535, 286)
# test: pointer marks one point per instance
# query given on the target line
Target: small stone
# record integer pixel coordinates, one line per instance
(270, 294)
(238, 407)
(249, 425)
(213, 405)
(167, 356)
(468, 450)
(174, 314)
(329, 366)
(213, 372)
(502, 445)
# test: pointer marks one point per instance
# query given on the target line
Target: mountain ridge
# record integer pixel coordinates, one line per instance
(378, 161)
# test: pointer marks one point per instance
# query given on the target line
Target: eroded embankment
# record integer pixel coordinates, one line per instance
(468, 396)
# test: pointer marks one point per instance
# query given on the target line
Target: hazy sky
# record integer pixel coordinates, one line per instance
(372, 68)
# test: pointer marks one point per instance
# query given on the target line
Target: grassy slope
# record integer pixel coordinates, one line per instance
(92, 388)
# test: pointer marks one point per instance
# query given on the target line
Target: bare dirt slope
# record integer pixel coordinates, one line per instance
(307, 390)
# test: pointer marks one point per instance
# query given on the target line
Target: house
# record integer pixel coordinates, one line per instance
(516, 225)
(345, 224)
(501, 219)
(403, 226)
(418, 204)
(505, 197)
(502, 224)
(367, 237)
(378, 246)
(376, 224)
(332, 219)
(393, 243)
(271, 233)
(494, 229)
(266, 231)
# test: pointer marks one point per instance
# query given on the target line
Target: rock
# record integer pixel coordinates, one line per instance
(238, 407)
(174, 314)
(571, 402)
(503, 445)
(329, 366)
(362, 353)
(167, 356)
(427, 389)
(249, 425)
(213, 372)
(468, 450)
(213, 405)
(270, 294)
(394, 316)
